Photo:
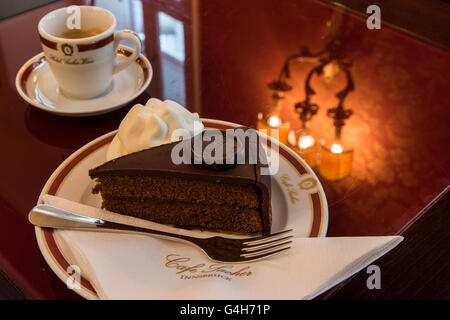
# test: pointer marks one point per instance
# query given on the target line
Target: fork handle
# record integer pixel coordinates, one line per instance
(47, 216)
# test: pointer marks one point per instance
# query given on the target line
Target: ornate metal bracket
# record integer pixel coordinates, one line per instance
(339, 113)
(306, 109)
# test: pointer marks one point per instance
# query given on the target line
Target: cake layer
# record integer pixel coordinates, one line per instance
(190, 215)
(170, 188)
(236, 195)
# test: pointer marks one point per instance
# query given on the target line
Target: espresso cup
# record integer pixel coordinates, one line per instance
(83, 60)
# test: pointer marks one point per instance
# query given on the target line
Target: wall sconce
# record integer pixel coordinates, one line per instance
(307, 145)
(273, 124)
(334, 158)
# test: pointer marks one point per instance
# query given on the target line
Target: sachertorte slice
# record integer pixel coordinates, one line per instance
(149, 185)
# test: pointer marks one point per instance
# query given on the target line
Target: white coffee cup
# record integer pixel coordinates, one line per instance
(84, 67)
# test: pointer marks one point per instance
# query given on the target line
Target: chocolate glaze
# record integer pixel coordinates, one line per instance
(157, 161)
(231, 147)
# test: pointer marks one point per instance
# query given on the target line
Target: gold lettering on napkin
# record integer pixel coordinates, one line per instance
(176, 263)
(201, 270)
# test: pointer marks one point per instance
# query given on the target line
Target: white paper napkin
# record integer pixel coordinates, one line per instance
(135, 266)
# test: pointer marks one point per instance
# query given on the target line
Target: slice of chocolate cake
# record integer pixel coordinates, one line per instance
(221, 191)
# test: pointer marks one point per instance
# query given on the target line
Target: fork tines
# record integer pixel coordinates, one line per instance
(265, 246)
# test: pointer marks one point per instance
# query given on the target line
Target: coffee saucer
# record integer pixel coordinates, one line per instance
(37, 85)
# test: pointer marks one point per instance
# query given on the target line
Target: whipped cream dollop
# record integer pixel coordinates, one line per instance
(156, 123)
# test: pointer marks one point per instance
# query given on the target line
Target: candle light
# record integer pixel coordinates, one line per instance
(335, 161)
(306, 141)
(274, 127)
(305, 146)
(336, 148)
(274, 121)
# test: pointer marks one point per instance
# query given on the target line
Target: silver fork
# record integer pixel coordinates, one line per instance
(216, 248)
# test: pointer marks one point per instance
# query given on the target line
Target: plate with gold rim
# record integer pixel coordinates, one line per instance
(298, 200)
(36, 85)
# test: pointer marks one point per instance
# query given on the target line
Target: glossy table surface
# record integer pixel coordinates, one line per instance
(217, 59)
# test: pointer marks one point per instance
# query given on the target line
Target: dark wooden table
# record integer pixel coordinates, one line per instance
(399, 183)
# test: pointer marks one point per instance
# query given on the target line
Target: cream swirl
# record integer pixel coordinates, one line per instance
(156, 123)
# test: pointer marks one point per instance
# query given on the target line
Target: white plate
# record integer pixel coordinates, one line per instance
(298, 199)
(37, 85)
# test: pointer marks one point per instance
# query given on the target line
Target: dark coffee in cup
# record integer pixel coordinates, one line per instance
(80, 33)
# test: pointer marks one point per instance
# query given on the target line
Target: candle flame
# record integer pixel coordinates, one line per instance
(274, 121)
(336, 148)
(306, 142)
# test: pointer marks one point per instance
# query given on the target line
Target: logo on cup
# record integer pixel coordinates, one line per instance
(67, 49)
